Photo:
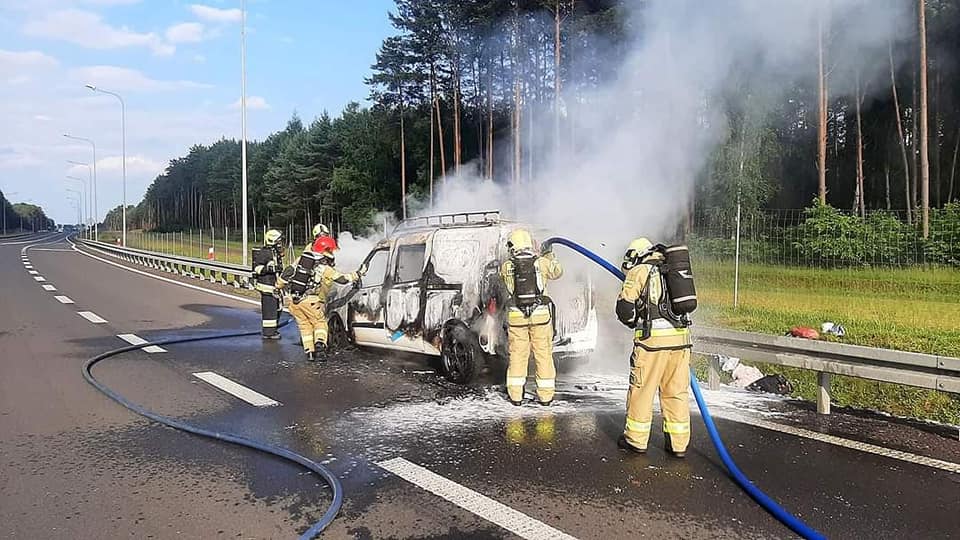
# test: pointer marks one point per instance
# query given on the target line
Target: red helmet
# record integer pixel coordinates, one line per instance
(324, 244)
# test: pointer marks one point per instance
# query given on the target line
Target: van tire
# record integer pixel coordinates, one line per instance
(459, 354)
(338, 337)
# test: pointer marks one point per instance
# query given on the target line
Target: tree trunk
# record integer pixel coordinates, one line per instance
(821, 117)
(457, 149)
(924, 149)
(403, 158)
(861, 195)
(432, 137)
(915, 148)
(436, 105)
(953, 167)
(886, 171)
(556, 79)
(490, 123)
(900, 139)
(517, 116)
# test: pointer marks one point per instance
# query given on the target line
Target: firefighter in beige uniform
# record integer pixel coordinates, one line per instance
(661, 354)
(310, 283)
(529, 324)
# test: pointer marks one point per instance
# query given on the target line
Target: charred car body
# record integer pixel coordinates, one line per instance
(433, 288)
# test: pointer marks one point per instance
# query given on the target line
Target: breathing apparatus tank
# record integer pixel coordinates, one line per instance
(300, 275)
(678, 274)
(527, 291)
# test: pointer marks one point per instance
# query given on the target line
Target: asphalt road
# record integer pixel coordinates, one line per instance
(74, 464)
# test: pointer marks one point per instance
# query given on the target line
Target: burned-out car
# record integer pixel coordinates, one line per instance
(433, 287)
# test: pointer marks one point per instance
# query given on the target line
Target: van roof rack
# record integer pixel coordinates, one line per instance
(459, 219)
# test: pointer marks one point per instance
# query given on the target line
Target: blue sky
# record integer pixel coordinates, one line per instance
(177, 65)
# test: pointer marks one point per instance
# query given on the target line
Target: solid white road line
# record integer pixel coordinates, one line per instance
(33, 273)
(92, 317)
(512, 520)
(64, 299)
(238, 390)
(134, 339)
(161, 278)
(39, 278)
(49, 288)
(846, 443)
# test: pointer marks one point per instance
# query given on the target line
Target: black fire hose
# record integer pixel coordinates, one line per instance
(335, 487)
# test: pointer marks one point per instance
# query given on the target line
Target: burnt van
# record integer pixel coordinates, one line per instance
(433, 287)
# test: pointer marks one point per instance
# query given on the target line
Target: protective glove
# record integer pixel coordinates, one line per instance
(546, 250)
(362, 271)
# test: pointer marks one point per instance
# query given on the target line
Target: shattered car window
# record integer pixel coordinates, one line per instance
(410, 262)
(376, 269)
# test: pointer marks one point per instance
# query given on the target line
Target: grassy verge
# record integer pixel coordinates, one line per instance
(185, 244)
(906, 309)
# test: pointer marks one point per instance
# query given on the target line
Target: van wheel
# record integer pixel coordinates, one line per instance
(338, 337)
(458, 356)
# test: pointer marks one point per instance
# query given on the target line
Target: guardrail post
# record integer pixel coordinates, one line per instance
(713, 372)
(823, 392)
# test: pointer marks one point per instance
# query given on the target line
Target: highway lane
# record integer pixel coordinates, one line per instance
(557, 466)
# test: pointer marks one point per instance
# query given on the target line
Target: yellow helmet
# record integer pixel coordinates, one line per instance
(272, 237)
(638, 250)
(520, 240)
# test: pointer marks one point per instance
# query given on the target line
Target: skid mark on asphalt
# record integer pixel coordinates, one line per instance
(64, 299)
(134, 339)
(845, 443)
(500, 514)
(236, 389)
(92, 317)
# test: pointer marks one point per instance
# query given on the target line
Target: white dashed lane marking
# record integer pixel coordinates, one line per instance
(63, 299)
(39, 278)
(500, 514)
(49, 288)
(92, 317)
(33, 273)
(134, 339)
(235, 389)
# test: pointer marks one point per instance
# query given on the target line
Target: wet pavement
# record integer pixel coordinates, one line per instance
(76, 465)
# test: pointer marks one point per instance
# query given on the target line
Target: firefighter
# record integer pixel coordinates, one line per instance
(661, 353)
(529, 320)
(267, 263)
(308, 294)
(319, 231)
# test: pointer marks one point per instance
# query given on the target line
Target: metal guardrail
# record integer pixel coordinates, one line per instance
(212, 271)
(828, 358)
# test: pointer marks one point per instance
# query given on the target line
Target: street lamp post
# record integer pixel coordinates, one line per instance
(86, 199)
(96, 209)
(243, 122)
(79, 203)
(123, 151)
(92, 179)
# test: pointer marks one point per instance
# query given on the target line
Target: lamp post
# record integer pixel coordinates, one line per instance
(243, 123)
(86, 198)
(123, 151)
(79, 200)
(96, 209)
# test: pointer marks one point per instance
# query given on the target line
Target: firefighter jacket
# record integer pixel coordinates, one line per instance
(547, 268)
(322, 281)
(637, 303)
(265, 275)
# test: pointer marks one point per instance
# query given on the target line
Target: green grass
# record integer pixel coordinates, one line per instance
(913, 309)
(186, 245)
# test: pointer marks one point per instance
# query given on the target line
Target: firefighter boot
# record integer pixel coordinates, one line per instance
(322, 353)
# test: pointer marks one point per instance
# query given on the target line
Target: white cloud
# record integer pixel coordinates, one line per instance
(136, 165)
(88, 29)
(25, 59)
(42, 118)
(212, 14)
(199, 58)
(188, 32)
(254, 103)
(119, 79)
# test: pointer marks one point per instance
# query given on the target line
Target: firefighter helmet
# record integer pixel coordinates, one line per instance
(324, 244)
(320, 230)
(520, 240)
(638, 250)
(272, 237)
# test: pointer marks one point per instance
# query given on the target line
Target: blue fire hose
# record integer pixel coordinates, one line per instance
(764, 500)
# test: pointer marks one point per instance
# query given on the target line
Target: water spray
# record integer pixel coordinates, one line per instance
(792, 522)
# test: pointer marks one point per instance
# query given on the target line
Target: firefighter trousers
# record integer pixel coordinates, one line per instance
(669, 372)
(521, 340)
(311, 319)
(269, 313)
